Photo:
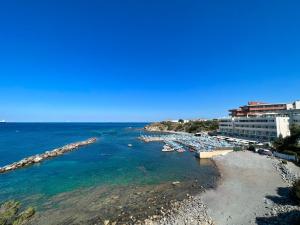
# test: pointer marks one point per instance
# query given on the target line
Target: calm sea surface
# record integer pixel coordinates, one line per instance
(107, 163)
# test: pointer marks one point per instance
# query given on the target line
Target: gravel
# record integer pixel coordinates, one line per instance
(288, 172)
(254, 189)
(191, 211)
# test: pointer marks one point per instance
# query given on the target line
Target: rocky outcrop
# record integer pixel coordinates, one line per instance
(49, 154)
(156, 127)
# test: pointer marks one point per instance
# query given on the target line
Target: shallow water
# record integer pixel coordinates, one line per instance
(101, 177)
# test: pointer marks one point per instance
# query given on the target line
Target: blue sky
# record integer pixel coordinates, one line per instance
(145, 60)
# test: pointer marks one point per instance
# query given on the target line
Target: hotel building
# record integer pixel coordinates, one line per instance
(254, 108)
(261, 121)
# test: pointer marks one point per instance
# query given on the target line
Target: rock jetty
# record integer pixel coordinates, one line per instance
(48, 154)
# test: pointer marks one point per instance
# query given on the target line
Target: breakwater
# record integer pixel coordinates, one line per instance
(48, 154)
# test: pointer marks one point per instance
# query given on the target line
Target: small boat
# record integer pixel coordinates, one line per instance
(180, 150)
(167, 148)
(129, 145)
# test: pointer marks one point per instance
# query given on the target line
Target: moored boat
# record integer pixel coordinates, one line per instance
(167, 148)
(180, 150)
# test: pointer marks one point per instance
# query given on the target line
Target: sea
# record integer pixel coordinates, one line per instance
(107, 180)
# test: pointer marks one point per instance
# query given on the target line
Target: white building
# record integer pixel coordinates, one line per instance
(296, 104)
(177, 121)
(263, 128)
(260, 121)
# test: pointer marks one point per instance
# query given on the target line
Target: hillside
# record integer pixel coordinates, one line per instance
(190, 127)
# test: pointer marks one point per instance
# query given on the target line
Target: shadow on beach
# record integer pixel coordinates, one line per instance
(284, 201)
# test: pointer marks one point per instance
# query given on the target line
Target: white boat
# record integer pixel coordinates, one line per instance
(167, 148)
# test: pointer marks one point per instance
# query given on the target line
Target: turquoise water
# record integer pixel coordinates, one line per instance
(107, 162)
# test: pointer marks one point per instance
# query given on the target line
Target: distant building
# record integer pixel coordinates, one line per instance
(177, 121)
(201, 120)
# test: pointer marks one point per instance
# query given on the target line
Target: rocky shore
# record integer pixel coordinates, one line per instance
(113, 205)
(48, 154)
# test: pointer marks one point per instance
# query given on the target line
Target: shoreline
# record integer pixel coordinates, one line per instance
(133, 204)
(252, 189)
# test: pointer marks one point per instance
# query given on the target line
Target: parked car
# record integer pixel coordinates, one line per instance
(265, 152)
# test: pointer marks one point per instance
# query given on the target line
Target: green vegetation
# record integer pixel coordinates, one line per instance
(289, 145)
(190, 127)
(237, 149)
(10, 213)
(181, 121)
(296, 190)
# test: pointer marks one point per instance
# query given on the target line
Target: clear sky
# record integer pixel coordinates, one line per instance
(145, 60)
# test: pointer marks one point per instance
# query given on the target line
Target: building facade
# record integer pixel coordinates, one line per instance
(295, 119)
(261, 121)
(256, 108)
(264, 128)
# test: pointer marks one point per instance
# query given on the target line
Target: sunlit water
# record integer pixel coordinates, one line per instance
(108, 162)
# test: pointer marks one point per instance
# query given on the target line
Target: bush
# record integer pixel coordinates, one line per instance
(296, 190)
(290, 142)
(181, 121)
(236, 149)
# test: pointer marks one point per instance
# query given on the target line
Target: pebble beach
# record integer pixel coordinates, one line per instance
(253, 189)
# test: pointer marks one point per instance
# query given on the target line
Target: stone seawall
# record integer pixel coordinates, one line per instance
(49, 154)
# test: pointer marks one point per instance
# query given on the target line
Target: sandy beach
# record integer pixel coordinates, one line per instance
(254, 189)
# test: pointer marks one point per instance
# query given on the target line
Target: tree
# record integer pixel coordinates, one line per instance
(279, 142)
(181, 121)
(291, 142)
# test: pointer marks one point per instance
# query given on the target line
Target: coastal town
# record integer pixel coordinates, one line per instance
(255, 150)
(273, 131)
(256, 124)
(150, 112)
